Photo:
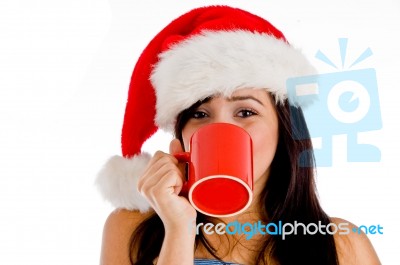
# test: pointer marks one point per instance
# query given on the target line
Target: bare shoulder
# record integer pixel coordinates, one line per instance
(117, 232)
(122, 219)
(353, 248)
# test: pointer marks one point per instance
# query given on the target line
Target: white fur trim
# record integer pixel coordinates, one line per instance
(220, 62)
(117, 182)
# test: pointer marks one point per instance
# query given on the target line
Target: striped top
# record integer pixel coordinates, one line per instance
(212, 262)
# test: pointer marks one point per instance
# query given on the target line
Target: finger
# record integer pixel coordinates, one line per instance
(160, 192)
(165, 165)
(175, 147)
(168, 169)
(170, 183)
(149, 177)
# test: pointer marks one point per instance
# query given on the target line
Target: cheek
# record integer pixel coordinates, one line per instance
(264, 148)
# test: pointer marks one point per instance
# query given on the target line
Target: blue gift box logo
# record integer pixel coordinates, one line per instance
(344, 102)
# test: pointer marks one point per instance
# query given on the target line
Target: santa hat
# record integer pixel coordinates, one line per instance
(207, 51)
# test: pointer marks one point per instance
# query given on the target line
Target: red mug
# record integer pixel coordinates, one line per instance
(220, 170)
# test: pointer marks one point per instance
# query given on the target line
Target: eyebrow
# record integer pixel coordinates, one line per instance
(237, 98)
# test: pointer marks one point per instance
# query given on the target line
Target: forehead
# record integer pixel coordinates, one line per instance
(255, 92)
(261, 95)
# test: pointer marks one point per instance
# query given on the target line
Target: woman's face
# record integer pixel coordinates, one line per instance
(251, 109)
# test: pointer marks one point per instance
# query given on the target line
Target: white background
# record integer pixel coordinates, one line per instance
(65, 68)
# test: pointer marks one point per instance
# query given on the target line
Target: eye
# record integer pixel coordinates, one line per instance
(199, 114)
(244, 113)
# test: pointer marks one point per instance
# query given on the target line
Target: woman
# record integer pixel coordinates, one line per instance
(225, 65)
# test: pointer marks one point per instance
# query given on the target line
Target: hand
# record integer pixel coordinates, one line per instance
(161, 184)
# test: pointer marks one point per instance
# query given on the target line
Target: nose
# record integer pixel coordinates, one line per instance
(221, 120)
(222, 115)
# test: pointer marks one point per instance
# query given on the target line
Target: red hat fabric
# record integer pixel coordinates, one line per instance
(207, 51)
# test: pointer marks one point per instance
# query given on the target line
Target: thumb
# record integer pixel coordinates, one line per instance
(175, 147)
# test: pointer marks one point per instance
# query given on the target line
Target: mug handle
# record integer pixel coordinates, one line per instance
(184, 157)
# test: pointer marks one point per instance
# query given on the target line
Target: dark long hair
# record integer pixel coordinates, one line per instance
(289, 196)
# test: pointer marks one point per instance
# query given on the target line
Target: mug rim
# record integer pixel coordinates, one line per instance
(248, 189)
